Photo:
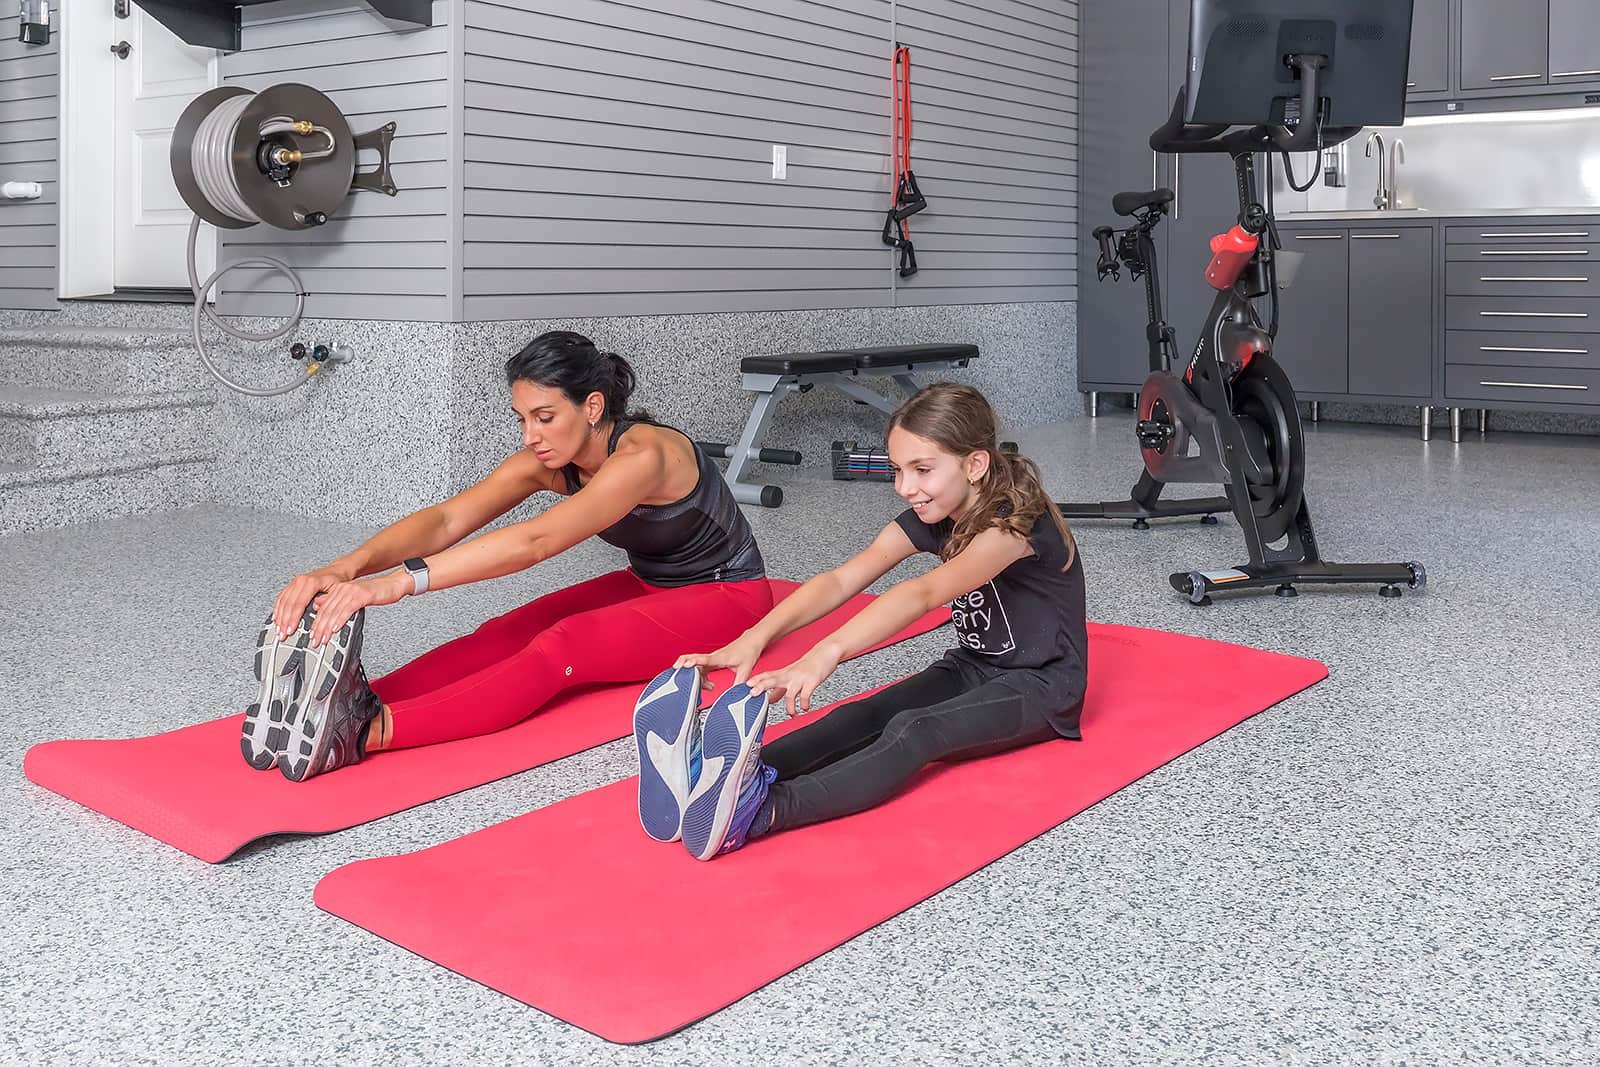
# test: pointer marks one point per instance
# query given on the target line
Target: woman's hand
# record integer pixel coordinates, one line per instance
(336, 606)
(298, 594)
(798, 680)
(740, 655)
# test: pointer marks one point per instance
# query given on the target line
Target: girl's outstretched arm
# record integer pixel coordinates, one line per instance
(985, 556)
(809, 603)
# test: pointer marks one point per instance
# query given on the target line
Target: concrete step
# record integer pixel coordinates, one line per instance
(99, 359)
(54, 427)
(37, 496)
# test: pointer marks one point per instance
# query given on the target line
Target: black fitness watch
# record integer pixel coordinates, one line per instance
(419, 574)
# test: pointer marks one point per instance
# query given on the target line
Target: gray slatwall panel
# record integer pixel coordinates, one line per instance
(29, 149)
(531, 233)
(594, 49)
(618, 156)
(669, 31)
(995, 149)
(669, 281)
(380, 257)
(480, 308)
(650, 115)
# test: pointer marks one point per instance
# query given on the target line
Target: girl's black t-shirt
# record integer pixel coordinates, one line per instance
(1027, 626)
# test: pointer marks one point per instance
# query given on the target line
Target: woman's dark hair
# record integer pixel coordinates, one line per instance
(1011, 496)
(562, 359)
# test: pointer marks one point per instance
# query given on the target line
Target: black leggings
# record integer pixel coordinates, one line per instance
(862, 753)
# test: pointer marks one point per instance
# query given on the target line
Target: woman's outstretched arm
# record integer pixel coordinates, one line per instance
(623, 482)
(422, 533)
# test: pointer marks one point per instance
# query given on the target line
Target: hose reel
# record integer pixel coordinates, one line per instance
(285, 156)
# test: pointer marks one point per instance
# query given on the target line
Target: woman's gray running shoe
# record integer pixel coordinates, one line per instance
(334, 708)
(267, 724)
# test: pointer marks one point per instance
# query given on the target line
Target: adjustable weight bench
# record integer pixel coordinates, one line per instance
(771, 378)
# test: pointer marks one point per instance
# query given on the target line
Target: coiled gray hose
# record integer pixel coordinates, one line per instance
(215, 177)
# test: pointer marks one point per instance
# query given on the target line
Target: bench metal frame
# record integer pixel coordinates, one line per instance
(769, 389)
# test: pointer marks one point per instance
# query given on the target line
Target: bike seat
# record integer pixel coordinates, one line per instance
(1128, 203)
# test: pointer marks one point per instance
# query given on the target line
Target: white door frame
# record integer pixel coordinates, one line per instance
(88, 192)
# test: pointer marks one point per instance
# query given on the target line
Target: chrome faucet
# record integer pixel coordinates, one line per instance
(1381, 199)
(1397, 156)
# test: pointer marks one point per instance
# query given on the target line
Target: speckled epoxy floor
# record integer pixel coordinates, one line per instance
(1396, 866)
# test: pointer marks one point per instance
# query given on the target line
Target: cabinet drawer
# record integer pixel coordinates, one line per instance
(1524, 252)
(1515, 278)
(1543, 314)
(1581, 351)
(1492, 383)
(1492, 233)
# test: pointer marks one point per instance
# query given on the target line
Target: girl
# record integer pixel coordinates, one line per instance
(1016, 677)
(694, 574)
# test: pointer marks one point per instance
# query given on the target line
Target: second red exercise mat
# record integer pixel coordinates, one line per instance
(573, 910)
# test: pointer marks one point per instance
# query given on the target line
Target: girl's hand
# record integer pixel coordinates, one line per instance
(336, 606)
(797, 681)
(740, 655)
(292, 601)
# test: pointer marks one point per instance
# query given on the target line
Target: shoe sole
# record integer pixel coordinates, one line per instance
(665, 721)
(267, 724)
(324, 668)
(730, 739)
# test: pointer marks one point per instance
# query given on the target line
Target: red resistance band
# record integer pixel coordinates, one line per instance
(908, 198)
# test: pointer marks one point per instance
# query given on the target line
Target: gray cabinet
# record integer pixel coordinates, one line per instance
(1504, 45)
(1391, 312)
(1574, 42)
(1430, 48)
(1132, 55)
(1314, 315)
(1358, 320)
(1123, 96)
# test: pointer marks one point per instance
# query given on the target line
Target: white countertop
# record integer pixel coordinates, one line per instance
(1423, 214)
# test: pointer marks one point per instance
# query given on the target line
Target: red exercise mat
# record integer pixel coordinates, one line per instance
(573, 910)
(191, 789)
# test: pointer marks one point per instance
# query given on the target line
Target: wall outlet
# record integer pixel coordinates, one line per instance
(780, 162)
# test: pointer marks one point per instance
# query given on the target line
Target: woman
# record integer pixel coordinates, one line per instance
(1017, 676)
(695, 576)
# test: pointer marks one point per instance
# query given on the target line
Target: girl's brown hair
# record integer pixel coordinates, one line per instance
(1011, 495)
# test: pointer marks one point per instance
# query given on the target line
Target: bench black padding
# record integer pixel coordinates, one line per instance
(799, 363)
(910, 355)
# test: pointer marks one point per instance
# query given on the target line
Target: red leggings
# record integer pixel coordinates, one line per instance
(614, 628)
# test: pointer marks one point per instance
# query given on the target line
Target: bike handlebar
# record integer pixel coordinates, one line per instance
(1178, 136)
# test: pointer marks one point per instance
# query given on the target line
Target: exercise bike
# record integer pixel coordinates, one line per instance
(1230, 417)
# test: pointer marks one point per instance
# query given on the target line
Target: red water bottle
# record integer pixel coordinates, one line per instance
(1229, 253)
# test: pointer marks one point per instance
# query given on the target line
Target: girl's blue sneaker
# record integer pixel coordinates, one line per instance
(732, 783)
(666, 729)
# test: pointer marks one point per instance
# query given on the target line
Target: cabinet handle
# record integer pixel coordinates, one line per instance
(1541, 351)
(1155, 169)
(1374, 237)
(1534, 314)
(1411, 85)
(1575, 73)
(1533, 385)
(1515, 77)
(1509, 278)
(1525, 234)
(1177, 186)
(1319, 237)
(1534, 252)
